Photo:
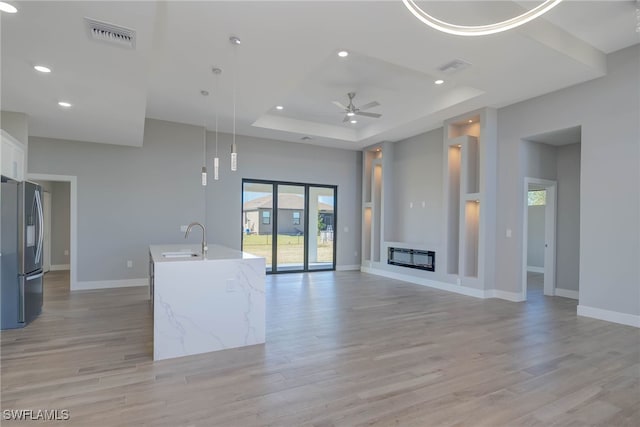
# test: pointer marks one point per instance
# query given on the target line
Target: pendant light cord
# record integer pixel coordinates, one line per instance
(235, 72)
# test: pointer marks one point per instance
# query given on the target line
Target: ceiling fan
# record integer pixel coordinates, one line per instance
(351, 110)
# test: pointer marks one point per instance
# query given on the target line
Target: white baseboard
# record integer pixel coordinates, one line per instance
(535, 269)
(508, 296)
(106, 284)
(566, 293)
(609, 316)
(354, 267)
(59, 267)
(426, 282)
(450, 287)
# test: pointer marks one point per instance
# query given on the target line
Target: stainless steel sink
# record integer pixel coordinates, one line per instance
(183, 254)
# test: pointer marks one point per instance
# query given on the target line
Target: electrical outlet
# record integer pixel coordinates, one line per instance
(410, 205)
(355, 253)
(129, 263)
(458, 281)
(66, 252)
(231, 285)
(183, 228)
(346, 229)
(424, 204)
(508, 232)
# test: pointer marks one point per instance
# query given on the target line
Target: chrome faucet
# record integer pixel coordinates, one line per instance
(204, 233)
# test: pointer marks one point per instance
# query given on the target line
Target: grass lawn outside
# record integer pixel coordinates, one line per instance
(290, 248)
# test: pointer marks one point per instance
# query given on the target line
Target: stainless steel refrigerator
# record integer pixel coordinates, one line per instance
(22, 237)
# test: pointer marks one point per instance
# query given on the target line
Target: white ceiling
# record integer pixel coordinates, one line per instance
(288, 56)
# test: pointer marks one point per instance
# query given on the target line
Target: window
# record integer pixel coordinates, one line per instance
(537, 198)
(296, 218)
(266, 217)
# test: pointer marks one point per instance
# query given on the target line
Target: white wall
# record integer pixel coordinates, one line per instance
(17, 125)
(131, 197)
(535, 238)
(607, 109)
(60, 223)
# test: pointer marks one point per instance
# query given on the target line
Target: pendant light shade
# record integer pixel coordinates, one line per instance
(204, 176)
(216, 168)
(234, 157)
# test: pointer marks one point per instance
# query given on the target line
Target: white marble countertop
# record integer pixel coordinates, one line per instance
(215, 253)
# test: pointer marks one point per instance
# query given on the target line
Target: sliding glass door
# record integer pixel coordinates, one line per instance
(290, 224)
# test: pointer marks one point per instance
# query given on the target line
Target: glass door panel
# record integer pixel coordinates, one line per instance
(257, 220)
(290, 223)
(321, 228)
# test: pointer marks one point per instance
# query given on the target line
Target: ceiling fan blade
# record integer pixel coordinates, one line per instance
(374, 115)
(346, 119)
(370, 105)
(339, 104)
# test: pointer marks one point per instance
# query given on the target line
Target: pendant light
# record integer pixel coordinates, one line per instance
(204, 144)
(479, 30)
(216, 159)
(235, 41)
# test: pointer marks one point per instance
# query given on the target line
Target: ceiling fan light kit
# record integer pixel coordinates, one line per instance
(479, 30)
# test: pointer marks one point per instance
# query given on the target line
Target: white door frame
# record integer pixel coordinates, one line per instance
(550, 214)
(73, 218)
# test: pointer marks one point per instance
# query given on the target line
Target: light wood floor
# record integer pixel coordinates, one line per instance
(343, 349)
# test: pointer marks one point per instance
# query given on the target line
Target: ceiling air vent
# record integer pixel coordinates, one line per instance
(110, 33)
(454, 66)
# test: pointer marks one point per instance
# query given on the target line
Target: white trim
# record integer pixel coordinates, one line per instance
(567, 293)
(60, 267)
(532, 269)
(426, 282)
(354, 267)
(107, 284)
(609, 316)
(505, 295)
(73, 219)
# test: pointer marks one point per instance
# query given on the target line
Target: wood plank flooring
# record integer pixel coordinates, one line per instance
(343, 349)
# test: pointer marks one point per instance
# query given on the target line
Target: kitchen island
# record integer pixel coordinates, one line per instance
(203, 304)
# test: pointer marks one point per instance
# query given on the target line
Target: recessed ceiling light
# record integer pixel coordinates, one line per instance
(377, 149)
(279, 107)
(470, 121)
(42, 68)
(343, 54)
(354, 121)
(459, 146)
(439, 81)
(64, 104)
(351, 114)
(6, 7)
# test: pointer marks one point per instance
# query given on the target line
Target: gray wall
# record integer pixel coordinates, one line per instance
(285, 161)
(568, 220)
(131, 197)
(535, 237)
(607, 109)
(417, 176)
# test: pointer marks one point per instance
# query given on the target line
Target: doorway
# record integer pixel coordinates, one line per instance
(65, 256)
(539, 238)
(290, 224)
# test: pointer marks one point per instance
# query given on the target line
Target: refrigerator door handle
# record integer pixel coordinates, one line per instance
(34, 277)
(40, 227)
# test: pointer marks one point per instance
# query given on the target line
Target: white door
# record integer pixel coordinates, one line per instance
(46, 261)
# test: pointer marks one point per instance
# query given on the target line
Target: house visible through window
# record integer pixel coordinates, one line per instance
(537, 198)
(296, 218)
(266, 217)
